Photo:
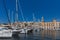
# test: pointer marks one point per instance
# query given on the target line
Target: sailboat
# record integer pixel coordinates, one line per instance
(24, 29)
(16, 29)
(5, 32)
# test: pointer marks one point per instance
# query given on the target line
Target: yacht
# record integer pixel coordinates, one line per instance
(25, 30)
(15, 30)
(5, 32)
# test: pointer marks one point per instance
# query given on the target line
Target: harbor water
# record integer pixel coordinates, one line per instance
(38, 35)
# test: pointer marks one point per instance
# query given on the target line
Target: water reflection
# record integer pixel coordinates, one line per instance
(50, 34)
(42, 35)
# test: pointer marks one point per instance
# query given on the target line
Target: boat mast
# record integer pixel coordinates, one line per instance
(34, 18)
(5, 7)
(16, 10)
(21, 11)
(12, 19)
(16, 13)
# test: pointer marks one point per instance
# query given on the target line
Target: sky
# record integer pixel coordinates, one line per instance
(49, 9)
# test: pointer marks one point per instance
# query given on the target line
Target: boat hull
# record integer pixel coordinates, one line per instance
(5, 34)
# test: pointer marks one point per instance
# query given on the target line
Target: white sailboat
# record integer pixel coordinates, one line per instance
(21, 30)
(5, 32)
(15, 28)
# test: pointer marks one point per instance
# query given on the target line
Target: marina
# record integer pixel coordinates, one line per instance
(19, 27)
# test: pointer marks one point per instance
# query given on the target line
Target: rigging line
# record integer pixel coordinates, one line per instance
(4, 3)
(21, 10)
